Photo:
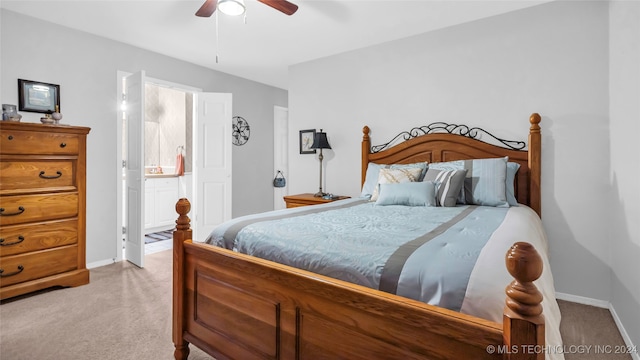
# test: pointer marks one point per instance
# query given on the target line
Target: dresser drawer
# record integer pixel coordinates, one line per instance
(26, 174)
(30, 142)
(34, 265)
(20, 209)
(18, 239)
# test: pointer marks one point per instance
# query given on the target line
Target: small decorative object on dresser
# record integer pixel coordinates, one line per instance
(47, 119)
(9, 113)
(42, 216)
(56, 115)
(310, 199)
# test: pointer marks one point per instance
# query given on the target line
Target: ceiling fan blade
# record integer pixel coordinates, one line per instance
(281, 5)
(207, 8)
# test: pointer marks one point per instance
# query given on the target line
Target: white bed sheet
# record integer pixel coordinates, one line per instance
(485, 296)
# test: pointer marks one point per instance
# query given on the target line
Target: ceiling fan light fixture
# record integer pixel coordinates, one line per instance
(231, 7)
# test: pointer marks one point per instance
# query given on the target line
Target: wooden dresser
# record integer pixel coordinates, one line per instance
(42, 207)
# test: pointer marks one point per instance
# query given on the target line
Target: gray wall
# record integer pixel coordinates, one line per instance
(624, 92)
(493, 73)
(85, 67)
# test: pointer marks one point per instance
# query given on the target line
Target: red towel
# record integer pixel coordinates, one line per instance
(180, 165)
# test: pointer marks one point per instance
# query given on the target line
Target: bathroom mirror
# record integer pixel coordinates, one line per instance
(168, 121)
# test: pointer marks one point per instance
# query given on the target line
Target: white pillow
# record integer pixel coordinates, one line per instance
(373, 171)
(401, 175)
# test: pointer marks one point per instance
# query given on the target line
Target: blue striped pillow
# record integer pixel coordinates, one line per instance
(486, 182)
(448, 185)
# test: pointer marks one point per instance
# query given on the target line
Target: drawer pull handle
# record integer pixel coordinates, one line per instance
(58, 174)
(20, 211)
(62, 145)
(20, 239)
(20, 268)
(10, 137)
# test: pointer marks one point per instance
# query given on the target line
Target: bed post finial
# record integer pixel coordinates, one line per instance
(525, 265)
(183, 206)
(366, 150)
(535, 119)
(181, 234)
(535, 164)
(523, 320)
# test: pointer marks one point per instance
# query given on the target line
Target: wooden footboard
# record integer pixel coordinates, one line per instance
(235, 306)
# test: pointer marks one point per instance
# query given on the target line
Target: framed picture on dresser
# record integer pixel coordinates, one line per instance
(39, 97)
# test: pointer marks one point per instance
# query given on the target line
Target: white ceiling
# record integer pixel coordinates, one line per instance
(269, 42)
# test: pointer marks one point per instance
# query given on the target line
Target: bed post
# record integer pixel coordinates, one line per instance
(535, 151)
(523, 320)
(366, 149)
(182, 233)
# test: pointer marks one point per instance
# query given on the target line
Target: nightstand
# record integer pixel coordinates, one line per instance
(308, 199)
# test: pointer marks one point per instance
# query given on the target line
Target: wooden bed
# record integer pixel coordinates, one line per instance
(235, 306)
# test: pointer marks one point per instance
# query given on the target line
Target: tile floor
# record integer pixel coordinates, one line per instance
(156, 246)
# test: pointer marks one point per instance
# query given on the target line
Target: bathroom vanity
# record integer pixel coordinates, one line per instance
(160, 194)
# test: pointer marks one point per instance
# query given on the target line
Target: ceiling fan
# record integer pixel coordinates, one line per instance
(236, 7)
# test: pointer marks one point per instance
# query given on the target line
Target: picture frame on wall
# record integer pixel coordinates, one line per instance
(306, 140)
(39, 97)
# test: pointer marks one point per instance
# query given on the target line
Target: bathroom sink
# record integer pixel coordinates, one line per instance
(159, 175)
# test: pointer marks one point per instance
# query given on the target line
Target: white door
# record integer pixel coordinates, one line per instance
(280, 153)
(212, 178)
(134, 173)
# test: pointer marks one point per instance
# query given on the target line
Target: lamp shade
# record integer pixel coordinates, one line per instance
(320, 141)
(231, 7)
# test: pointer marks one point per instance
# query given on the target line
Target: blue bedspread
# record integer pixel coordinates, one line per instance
(423, 253)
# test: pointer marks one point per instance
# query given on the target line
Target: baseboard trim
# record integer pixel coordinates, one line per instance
(623, 332)
(583, 300)
(605, 305)
(104, 262)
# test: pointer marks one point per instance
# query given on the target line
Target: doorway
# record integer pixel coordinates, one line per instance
(209, 186)
(167, 123)
(280, 153)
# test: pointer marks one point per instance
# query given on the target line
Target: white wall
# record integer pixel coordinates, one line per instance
(85, 67)
(493, 73)
(624, 93)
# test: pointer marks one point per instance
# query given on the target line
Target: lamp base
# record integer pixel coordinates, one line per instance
(319, 194)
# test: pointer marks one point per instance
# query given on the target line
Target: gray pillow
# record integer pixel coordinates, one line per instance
(512, 169)
(448, 185)
(452, 165)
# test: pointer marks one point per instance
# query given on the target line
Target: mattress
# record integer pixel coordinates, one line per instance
(451, 257)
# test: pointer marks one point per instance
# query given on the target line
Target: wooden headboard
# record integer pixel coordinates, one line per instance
(447, 142)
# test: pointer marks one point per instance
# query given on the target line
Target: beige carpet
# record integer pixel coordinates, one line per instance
(125, 313)
(584, 327)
